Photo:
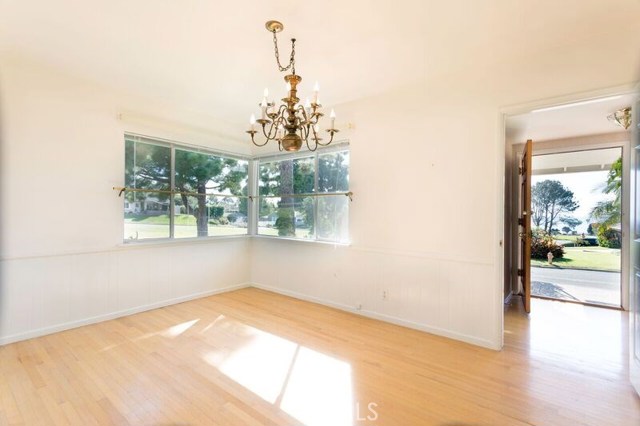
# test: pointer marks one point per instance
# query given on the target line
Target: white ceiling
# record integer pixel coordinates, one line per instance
(216, 57)
(578, 120)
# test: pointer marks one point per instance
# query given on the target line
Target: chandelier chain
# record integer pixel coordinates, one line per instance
(292, 59)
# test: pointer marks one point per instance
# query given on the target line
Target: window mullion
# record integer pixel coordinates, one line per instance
(315, 199)
(172, 183)
(254, 203)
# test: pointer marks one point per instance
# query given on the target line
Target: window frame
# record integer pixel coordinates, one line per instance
(253, 169)
(173, 145)
(268, 158)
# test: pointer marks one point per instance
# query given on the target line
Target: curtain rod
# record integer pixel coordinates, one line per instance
(122, 189)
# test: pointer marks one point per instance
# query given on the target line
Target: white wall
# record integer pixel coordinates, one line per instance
(427, 170)
(63, 262)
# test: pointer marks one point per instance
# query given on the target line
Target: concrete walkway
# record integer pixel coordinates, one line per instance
(579, 285)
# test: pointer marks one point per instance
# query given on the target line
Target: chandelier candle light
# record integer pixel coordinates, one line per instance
(290, 123)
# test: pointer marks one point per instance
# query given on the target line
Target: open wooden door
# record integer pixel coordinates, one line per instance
(634, 293)
(524, 220)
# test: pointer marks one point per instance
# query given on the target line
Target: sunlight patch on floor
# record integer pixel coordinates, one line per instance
(319, 391)
(213, 323)
(178, 329)
(312, 387)
(576, 332)
(261, 365)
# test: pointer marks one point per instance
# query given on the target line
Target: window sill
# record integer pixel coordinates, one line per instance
(300, 240)
(179, 241)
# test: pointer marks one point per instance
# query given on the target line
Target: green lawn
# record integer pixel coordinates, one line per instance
(161, 219)
(596, 258)
(146, 227)
(300, 232)
(566, 237)
(144, 231)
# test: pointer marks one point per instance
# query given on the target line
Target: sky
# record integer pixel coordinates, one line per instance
(587, 190)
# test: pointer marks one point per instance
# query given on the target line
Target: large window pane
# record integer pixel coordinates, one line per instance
(147, 167)
(333, 172)
(201, 174)
(333, 218)
(206, 199)
(286, 216)
(146, 215)
(324, 218)
(228, 215)
(295, 176)
(290, 217)
(186, 214)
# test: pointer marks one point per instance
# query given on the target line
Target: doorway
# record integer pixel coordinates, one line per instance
(576, 226)
(574, 144)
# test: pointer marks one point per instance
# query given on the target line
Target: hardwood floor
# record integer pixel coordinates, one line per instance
(251, 357)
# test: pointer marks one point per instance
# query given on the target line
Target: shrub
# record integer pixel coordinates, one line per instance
(216, 212)
(543, 243)
(219, 221)
(609, 237)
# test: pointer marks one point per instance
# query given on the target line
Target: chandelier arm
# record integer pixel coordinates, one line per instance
(267, 134)
(304, 133)
(330, 139)
(303, 113)
(315, 134)
(258, 144)
(309, 146)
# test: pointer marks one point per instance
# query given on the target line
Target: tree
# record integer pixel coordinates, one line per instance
(571, 222)
(197, 172)
(149, 167)
(608, 213)
(286, 221)
(298, 176)
(549, 200)
(282, 178)
(566, 229)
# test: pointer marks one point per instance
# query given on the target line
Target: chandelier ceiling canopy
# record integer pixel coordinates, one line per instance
(290, 123)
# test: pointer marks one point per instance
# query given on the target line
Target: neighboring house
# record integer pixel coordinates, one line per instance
(132, 207)
(151, 205)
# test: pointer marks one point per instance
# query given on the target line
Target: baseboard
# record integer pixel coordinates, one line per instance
(386, 318)
(112, 315)
(343, 307)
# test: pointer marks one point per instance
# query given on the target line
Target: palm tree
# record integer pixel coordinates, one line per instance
(608, 213)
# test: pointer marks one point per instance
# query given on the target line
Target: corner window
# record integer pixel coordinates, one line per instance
(177, 192)
(304, 197)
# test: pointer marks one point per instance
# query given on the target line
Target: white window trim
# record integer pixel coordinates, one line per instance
(340, 146)
(252, 179)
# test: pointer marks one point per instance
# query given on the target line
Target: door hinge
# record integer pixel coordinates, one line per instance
(521, 272)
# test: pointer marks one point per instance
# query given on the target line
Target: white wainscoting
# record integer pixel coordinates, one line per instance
(431, 293)
(45, 294)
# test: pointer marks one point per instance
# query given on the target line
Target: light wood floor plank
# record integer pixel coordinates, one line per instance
(251, 357)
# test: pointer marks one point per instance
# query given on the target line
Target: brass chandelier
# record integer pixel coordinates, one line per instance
(290, 123)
